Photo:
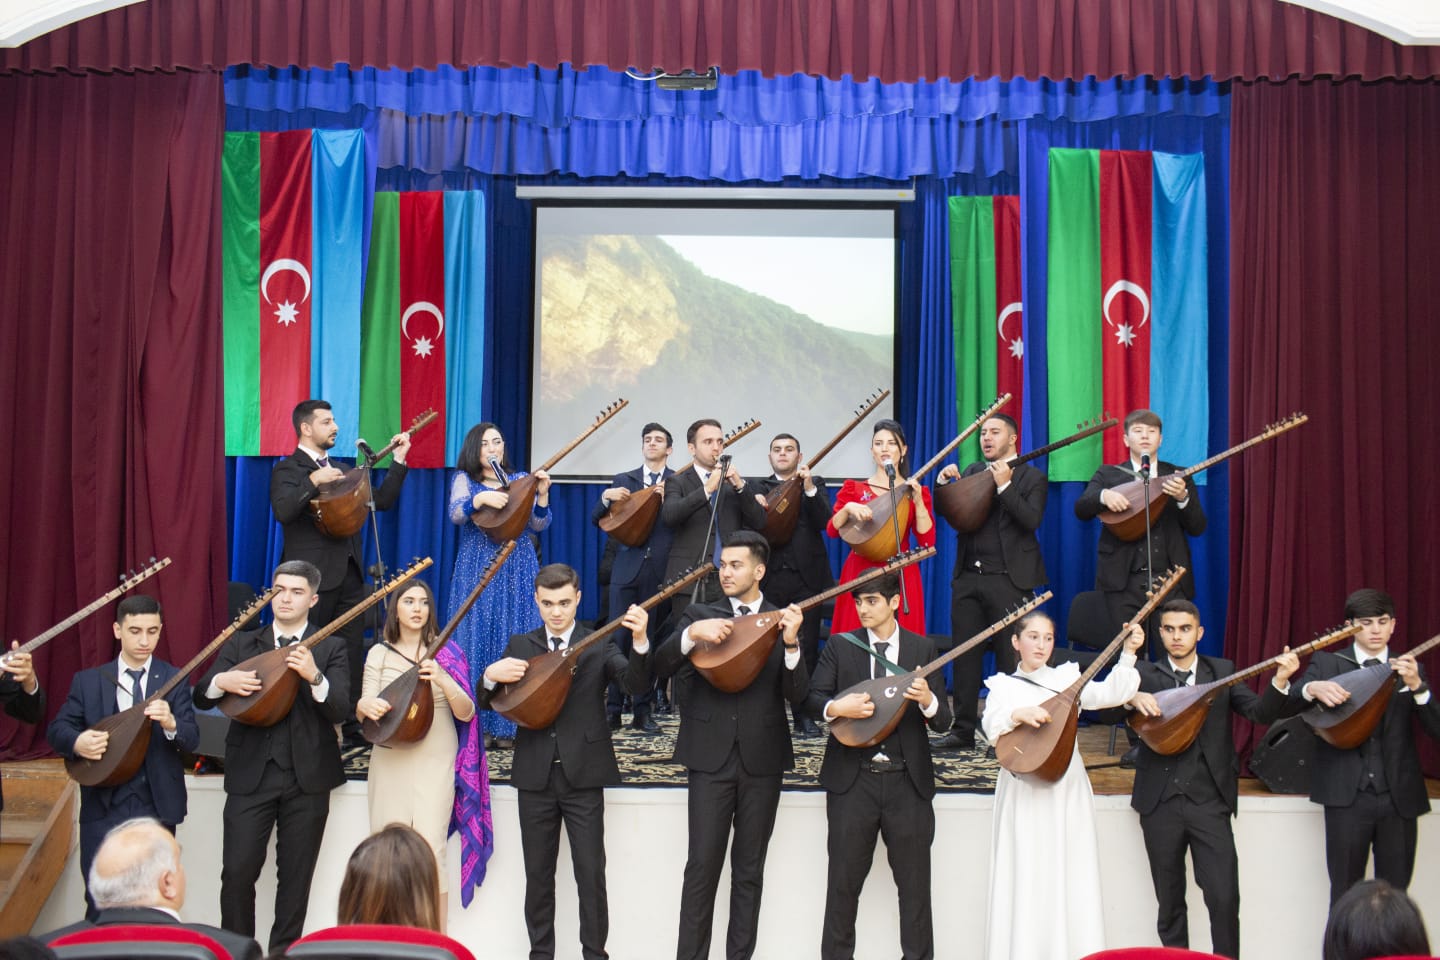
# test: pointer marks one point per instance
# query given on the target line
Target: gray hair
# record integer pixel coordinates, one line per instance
(149, 851)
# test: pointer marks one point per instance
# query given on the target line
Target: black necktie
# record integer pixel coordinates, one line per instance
(1182, 677)
(1372, 661)
(877, 669)
(742, 611)
(556, 643)
(137, 695)
(285, 641)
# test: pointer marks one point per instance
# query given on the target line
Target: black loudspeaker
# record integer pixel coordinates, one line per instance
(213, 726)
(1284, 758)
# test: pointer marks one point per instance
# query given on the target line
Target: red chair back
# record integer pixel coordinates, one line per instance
(127, 940)
(378, 940)
(1151, 953)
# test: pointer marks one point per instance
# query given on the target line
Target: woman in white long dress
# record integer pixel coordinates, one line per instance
(1044, 863)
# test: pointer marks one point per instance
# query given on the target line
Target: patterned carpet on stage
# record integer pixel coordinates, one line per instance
(645, 762)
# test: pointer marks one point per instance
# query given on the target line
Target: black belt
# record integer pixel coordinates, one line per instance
(884, 766)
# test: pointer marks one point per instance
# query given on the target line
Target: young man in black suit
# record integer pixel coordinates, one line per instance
(158, 788)
(1120, 570)
(735, 747)
(1373, 794)
(560, 773)
(20, 692)
(799, 567)
(688, 505)
(884, 790)
(637, 572)
(279, 777)
(1186, 800)
(996, 568)
(293, 483)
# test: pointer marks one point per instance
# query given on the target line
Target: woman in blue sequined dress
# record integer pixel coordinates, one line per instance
(508, 604)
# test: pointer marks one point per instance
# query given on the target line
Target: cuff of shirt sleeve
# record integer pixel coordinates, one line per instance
(321, 691)
(792, 660)
(686, 644)
(934, 708)
(641, 647)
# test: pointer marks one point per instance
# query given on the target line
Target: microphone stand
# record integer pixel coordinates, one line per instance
(899, 547)
(378, 570)
(700, 594)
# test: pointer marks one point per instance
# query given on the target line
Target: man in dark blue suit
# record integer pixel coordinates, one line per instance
(158, 789)
(638, 571)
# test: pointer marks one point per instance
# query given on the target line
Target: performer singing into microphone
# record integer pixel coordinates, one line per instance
(891, 456)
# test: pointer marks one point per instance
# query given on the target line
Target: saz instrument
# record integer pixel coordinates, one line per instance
(1351, 724)
(128, 582)
(874, 539)
(1130, 524)
(278, 683)
(343, 505)
(130, 729)
(412, 703)
(888, 693)
(631, 520)
(1183, 709)
(535, 700)
(732, 664)
(965, 502)
(508, 522)
(782, 503)
(1045, 751)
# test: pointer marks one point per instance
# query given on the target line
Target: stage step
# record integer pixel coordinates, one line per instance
(37, 830)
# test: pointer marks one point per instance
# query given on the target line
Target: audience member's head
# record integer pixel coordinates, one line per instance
(391, 878)
(1374, 919)
(138, 865)
(25, 948)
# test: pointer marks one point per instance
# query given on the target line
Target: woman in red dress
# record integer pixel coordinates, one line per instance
(886, 443)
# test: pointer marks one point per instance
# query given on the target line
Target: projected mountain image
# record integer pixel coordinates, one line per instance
(630, 316)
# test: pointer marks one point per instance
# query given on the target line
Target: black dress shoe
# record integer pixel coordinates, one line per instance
(614, 721)
(645, 725)
(1127, 760)
(954, 740)
(805, 727)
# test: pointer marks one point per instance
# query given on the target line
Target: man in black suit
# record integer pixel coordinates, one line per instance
(735, 747)
(20, 690)
(996, 568)
(800, 567)
(1120, 571)
(560, 773)
(1373, 794)
(886, 789)
(138, 879)
(1186, 800)
(637, 572)
(279, 777)
(293, 483)
(691, 496)
(158, 788)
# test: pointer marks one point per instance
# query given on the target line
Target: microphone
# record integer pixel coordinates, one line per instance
(499, 471)
(1144, 464)
(889, 466)
(364, 448)
(724, 463)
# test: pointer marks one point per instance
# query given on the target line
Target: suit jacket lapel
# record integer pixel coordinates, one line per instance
(110, 688)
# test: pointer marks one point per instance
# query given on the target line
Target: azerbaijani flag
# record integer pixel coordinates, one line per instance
(424, 327)
(988, 319)
(293, 212)
(1128, 318)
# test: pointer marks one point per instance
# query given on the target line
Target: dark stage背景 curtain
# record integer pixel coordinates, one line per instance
(109, 361)
(1335, 306)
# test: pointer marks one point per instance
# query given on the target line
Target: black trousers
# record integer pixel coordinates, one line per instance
(299, 819)
(333, 603)
(783, 587)
(645, 585)
(729, 798)
(884, 804)
(582, 810)
(1370, 822)
(1176, 825)
(976, 601)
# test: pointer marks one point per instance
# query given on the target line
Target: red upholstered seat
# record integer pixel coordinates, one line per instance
(127, 941)
(1151, 953)
(381, 941)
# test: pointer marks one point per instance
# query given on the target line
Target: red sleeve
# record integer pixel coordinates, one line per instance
(849, 493)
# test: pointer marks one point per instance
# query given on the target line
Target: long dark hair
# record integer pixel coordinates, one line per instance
(470, 461)
(392, 616)
(391, 878)
(898, 432)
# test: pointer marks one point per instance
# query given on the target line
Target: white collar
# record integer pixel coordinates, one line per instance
(275, 632)
(315, 455)
(1361, 656)
(876, 638)
(753, 606)
(564, 637)
(144, 667)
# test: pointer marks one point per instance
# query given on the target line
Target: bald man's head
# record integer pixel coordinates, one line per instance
(138, 865)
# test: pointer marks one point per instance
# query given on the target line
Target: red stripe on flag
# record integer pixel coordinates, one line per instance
(1010, 318)
(422, 321)
(286, 286)
(1125, 222)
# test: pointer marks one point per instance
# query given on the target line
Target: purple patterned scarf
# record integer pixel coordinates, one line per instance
(471, 816)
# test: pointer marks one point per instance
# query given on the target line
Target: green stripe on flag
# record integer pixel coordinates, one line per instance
(972, 294)
(1073, 314)
(380, 326)
(240, 275)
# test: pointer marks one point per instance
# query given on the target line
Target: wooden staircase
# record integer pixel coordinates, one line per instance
(37, 830)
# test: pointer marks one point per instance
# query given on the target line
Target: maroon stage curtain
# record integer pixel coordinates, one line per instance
(110, 362)
(1335, 310)
(894, 40)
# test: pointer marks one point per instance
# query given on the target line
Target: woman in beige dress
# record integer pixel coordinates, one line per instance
(414, 783)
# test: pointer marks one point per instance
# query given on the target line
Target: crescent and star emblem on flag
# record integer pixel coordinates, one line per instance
(285, 312)
(1124, 333)
(1016, 346)
(422, 345)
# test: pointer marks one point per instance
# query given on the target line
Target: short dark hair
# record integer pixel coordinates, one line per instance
(299, 568)
(470, 461)
(557, 576)
(695, 428)
(1006, 419)
(1369, 602)
(1180, 605)
(137, 606)
(391, 631)
(898, 432)
(651, 427)
(1029, 618)
(786, 436)
(1374, 919)
(305, 410)
(1148, 417)
(757, 545)
(886, 585)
